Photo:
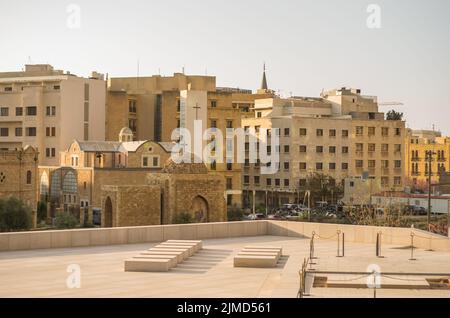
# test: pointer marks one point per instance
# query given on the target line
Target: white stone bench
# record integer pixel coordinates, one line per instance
(182, 251)
(189, 249)
(197, 246)
(265, 248)
(178, 255)
(172, 258)
(261, 253)
(255, 261)
(147, 265)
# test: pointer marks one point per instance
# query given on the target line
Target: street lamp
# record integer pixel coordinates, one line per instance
(429, 158)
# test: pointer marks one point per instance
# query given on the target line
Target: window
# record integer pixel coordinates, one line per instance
(359, 130)
(302, 148)
(319, 165)
(286, 148)
(29, 175)
(359, 147)
(268, 182)
(229, 183)
(213, 165)
(229, 124)
(257, 129)
(277, 182)
(8, 89)
(384, 131)
(4, 111)
(286, 182)
(397, 181)
(397, 148)
(178, 105)
(371, 131)
(213, 123)
(398, 132)
(384, 181)
(332, 132)
(246, 179)
(319, 132)
(213, 103)
(286, 166)
(19, 111)
(56, 87)
(50, 110)
(229, 166)
(259, 114)
(302, 165)
(31, 111)
(359, 163)
(286, 131)
(18, 131)
(4, 132)
(371, 164)
(385, 164)
(256, 179)
(344, 166)
(397, 164)
(332, 166)
(371, 147)
(132, 106)
(319, 149)
(345, 149)
(332, 149)
(385, 148)
(302, 132)
(150, 161)
(345, 133)
(50, 152)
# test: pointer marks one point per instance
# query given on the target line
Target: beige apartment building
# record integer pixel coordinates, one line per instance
(153, 107)
(48, 108)
(341, 134)
(418, 142)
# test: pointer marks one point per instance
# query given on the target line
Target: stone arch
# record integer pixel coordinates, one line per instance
(200, 209)
(108, 213)
(56, 184)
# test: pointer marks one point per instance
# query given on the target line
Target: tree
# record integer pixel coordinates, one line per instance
(393, 115)
(323, 188)
(235, 214)
(66, 221)
(14, 215)
(41, 211)
(182, 218)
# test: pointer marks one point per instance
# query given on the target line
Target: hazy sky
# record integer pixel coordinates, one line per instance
(307, 45)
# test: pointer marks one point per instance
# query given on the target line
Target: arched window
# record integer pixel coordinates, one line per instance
(29, 175)
(56, 184)
(43, 188)
(70, 183)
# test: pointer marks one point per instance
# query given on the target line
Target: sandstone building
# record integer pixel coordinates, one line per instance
(47, 109)
(18, 171)
(340, 134)
(126, 182)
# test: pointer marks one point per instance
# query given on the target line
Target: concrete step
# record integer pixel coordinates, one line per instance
(172, 258)
(255, 261)
(147, 265)
(178, 255)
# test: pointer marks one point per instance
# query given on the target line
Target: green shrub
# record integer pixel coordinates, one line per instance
(235, 214)
(183, 218)
(14, 215)
(66, 221)
(41, 211)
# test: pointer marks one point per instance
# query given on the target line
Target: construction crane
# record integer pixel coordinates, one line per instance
(387, 104)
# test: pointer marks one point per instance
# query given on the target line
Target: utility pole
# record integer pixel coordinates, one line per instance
(429, 158)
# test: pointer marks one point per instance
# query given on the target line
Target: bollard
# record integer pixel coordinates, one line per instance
(343, 244)
(412, 248)
(377, 245)
(339, 242)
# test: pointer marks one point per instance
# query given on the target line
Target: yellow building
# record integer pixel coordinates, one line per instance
(341, 134)
(418, 142)
(47, 109)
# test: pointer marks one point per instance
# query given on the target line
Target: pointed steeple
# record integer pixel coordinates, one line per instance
(264, 79)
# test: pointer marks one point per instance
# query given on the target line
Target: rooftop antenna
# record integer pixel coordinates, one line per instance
(137, 77)
(159, 71)
(183, 69)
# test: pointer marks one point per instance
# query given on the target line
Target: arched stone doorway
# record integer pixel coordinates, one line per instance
(108, 213)
(199, 209)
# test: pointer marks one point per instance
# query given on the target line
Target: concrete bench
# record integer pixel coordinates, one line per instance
(189, 249)
(172, 258)
(255, 261)
(260, 253)
(147, 265)
(196, 246)
(182, 251)
(199, 244)
(178, 255)
(265, 248)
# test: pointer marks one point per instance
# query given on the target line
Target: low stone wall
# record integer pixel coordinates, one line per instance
(159, 233)
(361, 234)
(128, 235)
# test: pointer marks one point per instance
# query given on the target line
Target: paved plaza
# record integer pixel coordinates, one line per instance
(210, 272)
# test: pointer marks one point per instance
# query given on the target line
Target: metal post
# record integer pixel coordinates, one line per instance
(377, 248)
(339, 242)
(343, 244)
(412, 248)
